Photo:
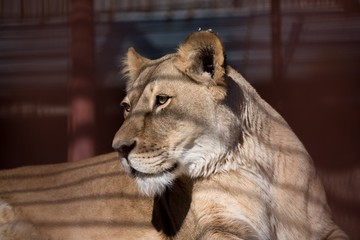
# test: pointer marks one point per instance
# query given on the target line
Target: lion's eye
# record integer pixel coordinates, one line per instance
(126, 106)
(162, 99)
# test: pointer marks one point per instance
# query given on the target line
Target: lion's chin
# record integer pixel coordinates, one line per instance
(156, 185)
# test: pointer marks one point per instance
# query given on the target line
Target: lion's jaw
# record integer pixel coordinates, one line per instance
(194, 157)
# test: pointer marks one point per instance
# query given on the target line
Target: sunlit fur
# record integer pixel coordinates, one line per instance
(90, 199)
(250, 176)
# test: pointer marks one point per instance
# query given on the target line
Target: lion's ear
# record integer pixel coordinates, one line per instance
(133, 64)
(202, 57)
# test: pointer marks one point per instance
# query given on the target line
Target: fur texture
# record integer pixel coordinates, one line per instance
(90, 199)
(14, 228)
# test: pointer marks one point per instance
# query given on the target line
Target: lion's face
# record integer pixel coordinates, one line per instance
(175, 119)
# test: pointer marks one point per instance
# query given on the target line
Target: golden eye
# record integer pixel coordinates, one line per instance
(162, 99)
(126, 106)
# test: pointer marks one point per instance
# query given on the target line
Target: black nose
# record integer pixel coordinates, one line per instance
(124, 148)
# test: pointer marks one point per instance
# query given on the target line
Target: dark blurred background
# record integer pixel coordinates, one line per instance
(60, 88)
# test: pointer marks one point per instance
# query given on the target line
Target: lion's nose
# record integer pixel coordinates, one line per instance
(124, 147)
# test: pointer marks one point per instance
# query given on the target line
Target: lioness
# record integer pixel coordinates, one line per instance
(220, 162)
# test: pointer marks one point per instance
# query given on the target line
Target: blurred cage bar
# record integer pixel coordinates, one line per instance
(18, 14)
(45, 10)
(38, 9)
(62, 63)
(46, 13)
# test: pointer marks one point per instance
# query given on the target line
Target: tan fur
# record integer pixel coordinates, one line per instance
(220, 162)
(12, 227)
(91, 199)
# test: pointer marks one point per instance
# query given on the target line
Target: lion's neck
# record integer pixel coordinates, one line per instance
(265, 138)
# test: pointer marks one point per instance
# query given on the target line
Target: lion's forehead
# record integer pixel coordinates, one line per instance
(163, 78)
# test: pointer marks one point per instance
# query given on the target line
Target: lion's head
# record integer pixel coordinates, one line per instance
(178, 120)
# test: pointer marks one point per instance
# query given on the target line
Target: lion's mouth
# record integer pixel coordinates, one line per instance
(140, 174)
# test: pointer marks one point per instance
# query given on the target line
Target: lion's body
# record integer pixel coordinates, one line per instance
(274, 194)
(218, 160)
(90, 199)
